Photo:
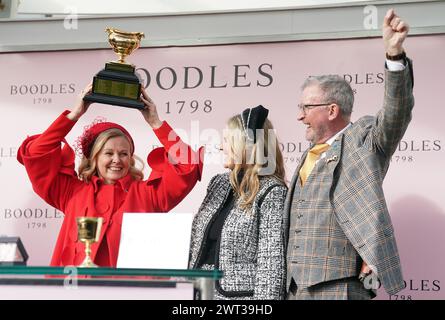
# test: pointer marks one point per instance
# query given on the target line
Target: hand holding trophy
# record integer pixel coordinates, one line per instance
(117, 84)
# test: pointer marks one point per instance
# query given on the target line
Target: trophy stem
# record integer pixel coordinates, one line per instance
(88, 262)
(122, 58)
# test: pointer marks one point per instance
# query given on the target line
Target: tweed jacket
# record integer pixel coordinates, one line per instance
(251, 246)
(355, 166)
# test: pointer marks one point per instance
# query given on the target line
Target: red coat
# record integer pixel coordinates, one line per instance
(51, 171)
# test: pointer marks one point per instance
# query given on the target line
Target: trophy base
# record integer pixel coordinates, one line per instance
(114, 100)
(117, 85)
(88, 263)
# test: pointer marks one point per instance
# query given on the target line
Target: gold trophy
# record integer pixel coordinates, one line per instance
(88, 231)
(118, 84)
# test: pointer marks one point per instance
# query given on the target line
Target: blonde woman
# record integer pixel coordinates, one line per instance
(239, 226)
(107, 183)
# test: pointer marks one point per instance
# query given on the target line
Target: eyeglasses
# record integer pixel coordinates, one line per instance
(305, 107)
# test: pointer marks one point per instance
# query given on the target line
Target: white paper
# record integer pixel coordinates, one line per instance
(8, 252)
(155, 240)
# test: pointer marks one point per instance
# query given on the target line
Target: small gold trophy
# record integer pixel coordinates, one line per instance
(88, 231)
(117, 84)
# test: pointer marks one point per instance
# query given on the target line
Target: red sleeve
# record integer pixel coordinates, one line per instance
(175, 169)
(49, 166)
(52, 136)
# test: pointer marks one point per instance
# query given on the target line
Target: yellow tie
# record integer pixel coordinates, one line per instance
(311, 158)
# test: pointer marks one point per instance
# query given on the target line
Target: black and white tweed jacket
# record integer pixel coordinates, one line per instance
(251, 248)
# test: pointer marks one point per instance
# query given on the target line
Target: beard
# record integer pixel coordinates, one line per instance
(314, 135)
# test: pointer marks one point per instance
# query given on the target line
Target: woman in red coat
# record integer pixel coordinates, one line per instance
(108, 183)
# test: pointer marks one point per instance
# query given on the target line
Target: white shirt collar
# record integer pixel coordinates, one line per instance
(331, 140)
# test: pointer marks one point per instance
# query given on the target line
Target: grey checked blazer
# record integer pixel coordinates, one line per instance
(251, 252)
(356, 164)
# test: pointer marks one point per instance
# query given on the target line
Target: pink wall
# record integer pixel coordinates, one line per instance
(243, 76)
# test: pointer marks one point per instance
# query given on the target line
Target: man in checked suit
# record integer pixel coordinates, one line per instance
(339, 227)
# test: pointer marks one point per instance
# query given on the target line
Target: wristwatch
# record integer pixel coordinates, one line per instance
(400, 56)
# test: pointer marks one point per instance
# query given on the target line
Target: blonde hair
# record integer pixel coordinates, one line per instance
(253, 159)
(87, 167)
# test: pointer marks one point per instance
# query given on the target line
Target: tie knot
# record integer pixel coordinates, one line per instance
(319, 148)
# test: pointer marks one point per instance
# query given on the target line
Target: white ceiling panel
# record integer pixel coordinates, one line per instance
(162, 7)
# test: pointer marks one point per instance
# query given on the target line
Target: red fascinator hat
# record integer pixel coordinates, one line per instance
(85, 142)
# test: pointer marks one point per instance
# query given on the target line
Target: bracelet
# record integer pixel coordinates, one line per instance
(400, 56)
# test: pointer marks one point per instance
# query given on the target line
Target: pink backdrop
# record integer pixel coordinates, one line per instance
(216, 82)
